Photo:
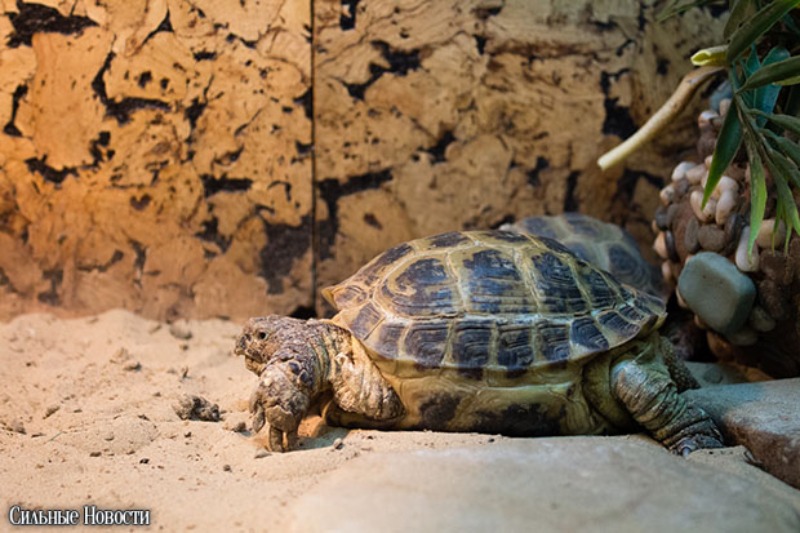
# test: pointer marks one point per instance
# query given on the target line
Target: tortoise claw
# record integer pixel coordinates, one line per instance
(276, 440)
(259, 416)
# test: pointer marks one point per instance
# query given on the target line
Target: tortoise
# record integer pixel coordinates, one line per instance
(476, 331)
(603, 244)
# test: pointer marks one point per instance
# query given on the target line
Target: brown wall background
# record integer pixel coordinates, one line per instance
(216, 158)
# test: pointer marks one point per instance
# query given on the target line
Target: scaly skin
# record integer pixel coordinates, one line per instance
(300, 363)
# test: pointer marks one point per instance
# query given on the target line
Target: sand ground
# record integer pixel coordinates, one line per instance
(87, 418)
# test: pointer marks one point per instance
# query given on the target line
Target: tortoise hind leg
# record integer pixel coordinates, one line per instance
(360, 389)
(651, 396)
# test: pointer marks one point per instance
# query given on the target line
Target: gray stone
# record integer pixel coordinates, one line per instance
(717, 292)
(554, 484)
(711, 238)
(764, 417)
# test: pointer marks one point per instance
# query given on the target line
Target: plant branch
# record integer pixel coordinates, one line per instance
(662, 118)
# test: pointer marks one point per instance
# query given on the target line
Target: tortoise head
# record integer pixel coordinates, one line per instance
(263, 336)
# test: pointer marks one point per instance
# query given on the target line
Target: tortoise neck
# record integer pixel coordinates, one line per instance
(330, 339)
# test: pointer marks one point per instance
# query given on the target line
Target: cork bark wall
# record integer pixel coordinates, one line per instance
(216, 158)
(434, 116)
(155, 156)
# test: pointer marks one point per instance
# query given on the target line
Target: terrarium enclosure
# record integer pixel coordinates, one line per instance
(210, 158)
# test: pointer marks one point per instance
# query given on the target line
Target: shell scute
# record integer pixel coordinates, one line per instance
(487, 302)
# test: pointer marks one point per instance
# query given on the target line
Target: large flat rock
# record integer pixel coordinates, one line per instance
(558, 484)
(764, 417)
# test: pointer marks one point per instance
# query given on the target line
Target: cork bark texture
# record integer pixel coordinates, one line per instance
(156, 156)
(214, 158)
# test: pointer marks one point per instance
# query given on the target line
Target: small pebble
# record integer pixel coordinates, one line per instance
(660, 245)
(144, 461)
(191, 407)
(744, 261)
(132, 366)
(260, 454)
(661, 219)
(338, 444)
(672, 251)
(696, 201)
(226, 468)
(679, 172)
(726, 183)
(710, 209)
(180, 330)
(667, 195)
(711, 238)
(760, 320)
(51, 409)
(725, 205)
(696, 173)
(666, 272)
(94, 454)
(705, 118)
(690, 242)
(765, 239)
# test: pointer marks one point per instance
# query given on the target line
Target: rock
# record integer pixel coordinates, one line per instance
(711, 238)
(180, 330)
(773, 298)
(717, 292)
(191, 407)
(556, 484)
(690, 242)
(764, 418)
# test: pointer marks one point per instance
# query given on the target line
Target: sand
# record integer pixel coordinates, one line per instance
(87, 418)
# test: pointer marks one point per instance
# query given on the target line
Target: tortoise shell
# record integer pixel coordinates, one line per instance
(600, 243)
(478, 301)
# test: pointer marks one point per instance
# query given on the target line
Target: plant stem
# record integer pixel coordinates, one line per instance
(663, 117)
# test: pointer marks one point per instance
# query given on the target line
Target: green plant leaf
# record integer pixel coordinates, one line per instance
(728, 143)
(740, 10)
(758, 194)
(765, 97)
(749, 32)
(784, 145)
(781, 172)
(779, 71)
(784, 121)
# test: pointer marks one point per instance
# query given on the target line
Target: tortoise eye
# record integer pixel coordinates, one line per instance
(262, 335)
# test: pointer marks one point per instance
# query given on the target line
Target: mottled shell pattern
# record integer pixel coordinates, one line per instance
(495, 301)
(600, 243)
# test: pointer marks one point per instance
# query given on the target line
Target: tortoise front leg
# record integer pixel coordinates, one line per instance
(282, 398)
(650, 395)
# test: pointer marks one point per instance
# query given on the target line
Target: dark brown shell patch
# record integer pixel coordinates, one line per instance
(426, 343)
(553, 341)
(448, 239)
(493, 281)
(556, 285)
(372, 270)
(366, 320)
(613, 321)
(515, 351)
(584, 332)
(471, 347)
(423, 288)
